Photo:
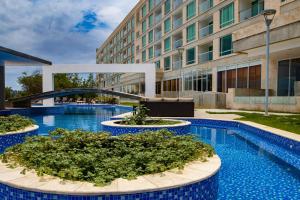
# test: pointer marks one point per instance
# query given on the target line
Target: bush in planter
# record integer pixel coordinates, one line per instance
(14, 123)
(138, 117)
(101, 158)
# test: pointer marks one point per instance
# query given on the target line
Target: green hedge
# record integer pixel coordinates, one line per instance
(14, 123)
(100, 158)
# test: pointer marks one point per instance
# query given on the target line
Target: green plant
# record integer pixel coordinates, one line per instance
(100, 158)
(138, 116)
(14, 123)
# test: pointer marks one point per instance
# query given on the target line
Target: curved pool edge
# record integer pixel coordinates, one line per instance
(117, 129)
(12, 138)
(195, 180)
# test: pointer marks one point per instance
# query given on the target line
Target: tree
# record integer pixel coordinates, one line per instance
(31, 84)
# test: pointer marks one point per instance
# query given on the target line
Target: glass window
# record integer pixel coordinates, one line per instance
(191, 10)
(190, 32)
(167, 63)
(226, 45)
(227, 15)
(150, 37)
(150, 52)
(144, 26)
(167, 43)
(144, 11)
(144, 56)
(144, 41)
(167, 6)
(167, 25)
(150, 21)
(157, 64)
(257, 7)
(150, 4)
(190, 56)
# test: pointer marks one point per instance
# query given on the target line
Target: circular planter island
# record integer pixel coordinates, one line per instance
(179, 127)
(198, 180)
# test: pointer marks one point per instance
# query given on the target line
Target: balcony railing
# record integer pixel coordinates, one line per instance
(205, 31)
(226, 52)
(177, 44)
(157, 36)
(176, 3)
(206, 5)
(177, 23)
(205, 57)
(157, 53)
(177, 64)
(252, 11)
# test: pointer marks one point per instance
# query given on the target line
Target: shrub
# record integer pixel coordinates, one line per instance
(100, 158)
(138, 116)
(14, 123)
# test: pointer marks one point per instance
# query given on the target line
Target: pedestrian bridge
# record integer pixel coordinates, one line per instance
(26, 100)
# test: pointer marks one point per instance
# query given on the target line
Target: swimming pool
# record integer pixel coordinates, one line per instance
(248, 171)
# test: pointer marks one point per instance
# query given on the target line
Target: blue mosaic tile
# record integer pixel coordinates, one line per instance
(204, 190)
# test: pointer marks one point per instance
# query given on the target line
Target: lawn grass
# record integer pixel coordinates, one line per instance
(129, 103)
(289, 123)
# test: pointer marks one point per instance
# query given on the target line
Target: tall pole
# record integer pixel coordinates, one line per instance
(180, 78)
(267, 70)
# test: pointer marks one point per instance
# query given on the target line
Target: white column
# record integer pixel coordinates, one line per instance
(150, 78)
(48, 85)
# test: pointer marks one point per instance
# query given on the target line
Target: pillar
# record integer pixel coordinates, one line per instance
(150, 78)
(48, 85)
(2, 86)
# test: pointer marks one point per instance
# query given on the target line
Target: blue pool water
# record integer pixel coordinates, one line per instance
(247, 172)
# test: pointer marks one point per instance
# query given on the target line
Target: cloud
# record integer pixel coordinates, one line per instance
(62, 31)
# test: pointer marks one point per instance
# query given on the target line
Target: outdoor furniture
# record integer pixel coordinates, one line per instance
(169, 107)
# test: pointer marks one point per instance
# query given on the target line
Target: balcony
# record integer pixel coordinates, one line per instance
(177, 23)
(205, 31)
(177, 3)
(157, 35)
(249, 10)
(177, 44)
(205, 5)
(205, 57)
(157, 52)
(177, 64)
(158, 18)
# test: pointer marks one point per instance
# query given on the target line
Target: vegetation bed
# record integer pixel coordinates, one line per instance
(14, 123)
(154, 122)
(100, 158)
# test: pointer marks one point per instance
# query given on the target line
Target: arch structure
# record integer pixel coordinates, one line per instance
(49, 71)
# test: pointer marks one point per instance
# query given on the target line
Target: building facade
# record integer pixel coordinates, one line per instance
(223, 58)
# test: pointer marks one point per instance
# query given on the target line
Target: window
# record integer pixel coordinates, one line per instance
(167, 63)
(144, 10)
(167, 6)
(144, 26)
(167, 25)
(257, 7)
(150, 37)
(227, 15)
(144, 56)
(167, 44)
(157, 64)
(150, 4)
(144, 41)
(190, 10)
(288, 74)
(150, 21)
(190, 56)
(150, 52)
(190, 32)
(226, 45)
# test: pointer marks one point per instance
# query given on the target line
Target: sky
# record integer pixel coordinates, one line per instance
(61, 31)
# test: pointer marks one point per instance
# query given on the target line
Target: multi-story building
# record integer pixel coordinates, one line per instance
(223, 60)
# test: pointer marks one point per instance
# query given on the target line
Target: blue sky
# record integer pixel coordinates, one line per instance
(62, 31)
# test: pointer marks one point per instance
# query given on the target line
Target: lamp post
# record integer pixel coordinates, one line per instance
(269, 16)
(180, 52)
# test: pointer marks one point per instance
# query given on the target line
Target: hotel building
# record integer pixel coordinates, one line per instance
(223, 60)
